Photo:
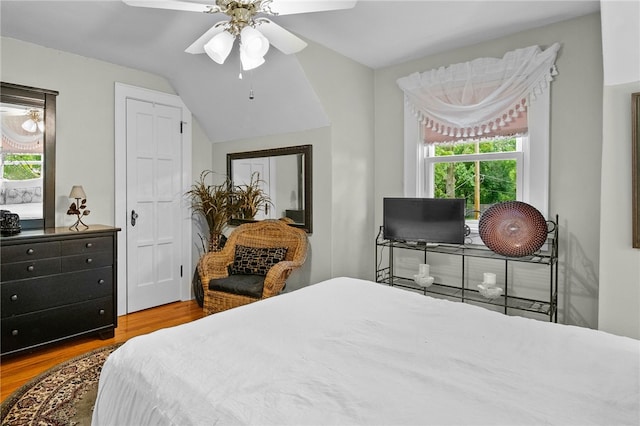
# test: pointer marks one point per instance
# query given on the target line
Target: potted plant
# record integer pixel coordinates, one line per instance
(249, 198)
(214, 203)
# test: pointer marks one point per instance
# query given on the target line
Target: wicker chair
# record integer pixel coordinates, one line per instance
(214, 267)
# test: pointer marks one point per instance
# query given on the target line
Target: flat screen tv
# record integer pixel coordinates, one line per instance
(424, 220)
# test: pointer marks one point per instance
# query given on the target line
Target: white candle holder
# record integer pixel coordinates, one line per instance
(422, 278)
(489, 279)
(488, 287)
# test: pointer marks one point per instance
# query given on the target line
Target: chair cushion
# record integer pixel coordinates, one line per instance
(244, 285)
(256, 260)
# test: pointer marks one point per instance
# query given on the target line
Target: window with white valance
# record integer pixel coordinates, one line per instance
(477, 100)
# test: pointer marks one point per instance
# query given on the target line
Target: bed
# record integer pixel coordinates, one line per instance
(348, 351)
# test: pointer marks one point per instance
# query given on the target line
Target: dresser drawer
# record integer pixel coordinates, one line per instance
(29, 251)
(86, 261)
(36, 268)
(30, 330)
(23, 296)
(86, 245)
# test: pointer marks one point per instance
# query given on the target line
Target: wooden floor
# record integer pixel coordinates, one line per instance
(18, 369)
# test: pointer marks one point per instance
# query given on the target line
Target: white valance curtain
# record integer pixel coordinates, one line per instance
(476, 98)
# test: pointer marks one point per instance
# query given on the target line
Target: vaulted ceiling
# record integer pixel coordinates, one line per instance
(375, 33)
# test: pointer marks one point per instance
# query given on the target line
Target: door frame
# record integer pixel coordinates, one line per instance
(122, 93)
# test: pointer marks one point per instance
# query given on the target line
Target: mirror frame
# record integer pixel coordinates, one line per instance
(635, 166)
(306, 150)
(46, 99)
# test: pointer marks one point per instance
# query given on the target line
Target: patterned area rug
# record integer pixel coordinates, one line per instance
(62, 395)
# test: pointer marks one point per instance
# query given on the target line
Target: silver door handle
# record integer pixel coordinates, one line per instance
(134, 216)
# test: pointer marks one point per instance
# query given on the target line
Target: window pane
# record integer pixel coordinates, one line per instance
(481, 183)
(496, 145)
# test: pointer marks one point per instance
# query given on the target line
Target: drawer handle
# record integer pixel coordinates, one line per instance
(89, 260)
(30, 251)
(101, 312)
(31, 268)
(89, 245)
(14, 297)
(14, 332)
(100, 281)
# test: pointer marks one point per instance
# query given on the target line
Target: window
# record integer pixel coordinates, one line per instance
(482, 172)
(448, 108)
(425, 164)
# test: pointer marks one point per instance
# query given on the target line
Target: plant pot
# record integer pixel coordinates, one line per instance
(198, 291)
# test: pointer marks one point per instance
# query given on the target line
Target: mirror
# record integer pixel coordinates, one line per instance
(284, 174)
(28, 156)
(635, 141)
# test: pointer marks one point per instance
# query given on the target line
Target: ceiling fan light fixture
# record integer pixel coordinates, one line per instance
(253, 42)
(249, 62)
(30, 126)
(244, 17)
(34, 122)
(219, 47)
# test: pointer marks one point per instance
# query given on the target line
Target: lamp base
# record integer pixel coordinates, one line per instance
(79, 222)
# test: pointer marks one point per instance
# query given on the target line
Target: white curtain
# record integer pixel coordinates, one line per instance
(476, 98)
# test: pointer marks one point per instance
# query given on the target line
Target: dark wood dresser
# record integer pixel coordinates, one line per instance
(57, 284)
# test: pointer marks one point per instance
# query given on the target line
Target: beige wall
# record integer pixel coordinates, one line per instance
(341, 243)
(84, 119)
(576, 126)
(619, 296)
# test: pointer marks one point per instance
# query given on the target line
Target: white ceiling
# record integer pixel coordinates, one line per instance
(375, 33)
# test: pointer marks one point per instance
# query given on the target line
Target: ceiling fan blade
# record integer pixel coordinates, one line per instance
(290, 7)
(198, 45)
(280, 38)
(171, 4)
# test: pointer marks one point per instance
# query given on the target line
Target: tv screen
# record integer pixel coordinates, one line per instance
(428, 220)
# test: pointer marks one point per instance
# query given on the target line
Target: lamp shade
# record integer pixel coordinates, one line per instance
(77, 192)
(219, 47)
(34, 122)
(253, 43)
(249, 63)
(30, 126)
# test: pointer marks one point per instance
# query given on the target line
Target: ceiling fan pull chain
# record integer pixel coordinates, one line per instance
(251, 96)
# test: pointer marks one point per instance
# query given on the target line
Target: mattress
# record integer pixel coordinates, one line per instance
(354, 352)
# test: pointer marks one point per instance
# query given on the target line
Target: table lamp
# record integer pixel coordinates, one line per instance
(79, 207)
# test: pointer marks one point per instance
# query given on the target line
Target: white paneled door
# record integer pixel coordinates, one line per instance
(153, 204)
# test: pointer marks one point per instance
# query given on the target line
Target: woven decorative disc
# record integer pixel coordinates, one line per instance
(513, 229)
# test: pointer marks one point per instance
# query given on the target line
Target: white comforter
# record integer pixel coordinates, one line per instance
(347, 351)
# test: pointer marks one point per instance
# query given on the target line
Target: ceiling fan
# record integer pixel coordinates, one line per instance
(246, 21)
(31, 119)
